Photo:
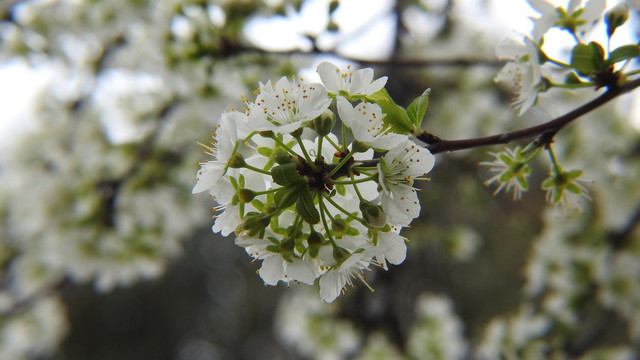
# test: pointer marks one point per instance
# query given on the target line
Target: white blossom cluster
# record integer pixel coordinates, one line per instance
(315, 330)
(529, 71)
(97, 189)
(308, 204)
(311, 177)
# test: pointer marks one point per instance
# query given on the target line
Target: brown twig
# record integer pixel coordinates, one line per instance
(547, 130)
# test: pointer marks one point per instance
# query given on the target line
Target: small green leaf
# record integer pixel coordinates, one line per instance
(397, 117)
(588, 59)
(418, 107)
(624, 53)
(306, 208)
(286, 174)
(380, 95)
(288, 195)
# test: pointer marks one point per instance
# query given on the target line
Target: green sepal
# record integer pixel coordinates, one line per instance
(571, 78)
(522, 181)
(351, 231)
(313, 251)
(273, 248)
(286, 174)
(624, 52)
(306, 208)
(548, 183)
(575, 173)
(588, 59)
(572, 187)
(259, 205)
(418, 108)
(265, 151)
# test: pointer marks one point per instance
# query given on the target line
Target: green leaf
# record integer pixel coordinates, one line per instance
(380, 95)
(306, 208)
(622, 53)
(418, 107)
(286, 174)
(588, 59)
(397, 117)
(288, 195)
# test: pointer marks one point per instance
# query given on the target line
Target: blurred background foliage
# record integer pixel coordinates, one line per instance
(105, 254)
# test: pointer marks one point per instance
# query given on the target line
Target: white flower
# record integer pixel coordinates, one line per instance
(275, 267)
(395, 245)
(512, 171)
(222, 148)
(348, 83)
(224, 194)
(396, 171)
(574, 18)
(287, 105)
(367, 124)
(522, 73)
(334, 281)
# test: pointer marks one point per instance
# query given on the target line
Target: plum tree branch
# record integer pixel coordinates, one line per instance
(546, 131)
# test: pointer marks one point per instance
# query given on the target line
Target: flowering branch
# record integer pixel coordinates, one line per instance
(547, 130)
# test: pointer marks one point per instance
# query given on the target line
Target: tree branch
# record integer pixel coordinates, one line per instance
(548, 129)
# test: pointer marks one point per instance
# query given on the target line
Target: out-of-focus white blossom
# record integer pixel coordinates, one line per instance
(349, 83)
(522, 72)
(312, 327)
(575, 17)
(437, 332)
(35, 331)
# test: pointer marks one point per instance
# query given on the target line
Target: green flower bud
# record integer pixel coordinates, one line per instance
(373, 214)
(282, 157)
(266, 133)
(617, 16)
(236, 161)
(324, 123)
(340, 254)
(288, 244)
(246, 195)
(359, 147)
(315, 239)
(255, 223)
(297, 133)
(333, 5)
(338, 225)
